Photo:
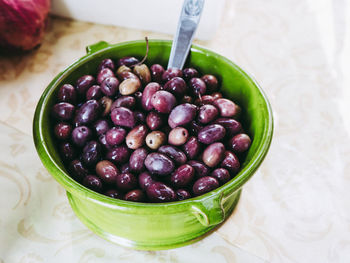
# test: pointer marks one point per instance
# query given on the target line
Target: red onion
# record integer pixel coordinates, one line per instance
(22, 23)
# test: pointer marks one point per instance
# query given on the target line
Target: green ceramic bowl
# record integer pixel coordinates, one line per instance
(158, 226)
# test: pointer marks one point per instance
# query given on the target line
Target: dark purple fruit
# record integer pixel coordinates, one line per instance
(77, 170)
(109, 86)
(211, 82)
(135, 196)
(222, 175)
(101, 126)
(227, 108)
(123, 117)
(159, 164)
(113, 193)
(207, 113)
(81, 135)
(83, 84)
(200, 168)
(176, 86)
(127, 61)
(145, 180)
(93, 182)
(182, 114)
(104, 74)
(107, 171)
(182, 176)
(154, 120)
(182, 194)
(94, 93)
(204, 185)
(91, 153)
(173, 153)
(240, 143)
(214, 154)
(87, 113)
(67, 151)
(63, 111)
(137, 160)
(159, 192)
(189, 73)
(157, 72)
(211, 133)
(197, 86)
(62, 130)
(115, 136)
(192, 147)
(163, 101)
(171, 73)
(106, 63)
(230, 162)
(126, 181)
(231, 126)
(124, 101)
(118, 155)
(67, 93)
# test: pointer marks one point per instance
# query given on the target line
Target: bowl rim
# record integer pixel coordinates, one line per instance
(75, 187)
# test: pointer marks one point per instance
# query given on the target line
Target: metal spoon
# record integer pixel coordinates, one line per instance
(188, 22)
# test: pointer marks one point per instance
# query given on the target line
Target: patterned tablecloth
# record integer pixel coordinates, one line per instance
(296, 208)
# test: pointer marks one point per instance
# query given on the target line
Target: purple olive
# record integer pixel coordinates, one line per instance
(136, 137)
(207, 113)
(154, 120)
(106, 63)
(125, 168)
(140, 117)
(145, 180)
(192, 147)
(101, 126)
(163, 101)
(182, 176)
(67, 151)
(206, 99)
(182, 114)
(103, 142)
(127, 61)
(63, 111)
(124, 101)
(93, 182)
(159, 164)
(147, 95)
(182, 194)
(230, 162)
(137, 160)
(240, 143)
(200, 168)
(67, 93)
(94, 93)
(214, 154)
(80, 135)
(157, 72)
(211, 133)
(197, 86)
(231, 126)
(87, 113)
(189, 73)
(118, 155)
(135, 196)
(123, 117)
(160, 192)
(195, 127)
(227, 108)
(176, 86)
(109, 86)
(113, 193)
(115, 136)
(173, 153)
(62, 130)
(126, 181)
(77, 170)
(91, 153)
(83, 84)
(204, 185)
(171, 73)
(107, 171)
(222, 175)
(104, 74)
(211, 82)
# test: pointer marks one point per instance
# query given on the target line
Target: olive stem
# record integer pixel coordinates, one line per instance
(145, 57)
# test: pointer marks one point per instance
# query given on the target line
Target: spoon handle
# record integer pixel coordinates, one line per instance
(188, 22)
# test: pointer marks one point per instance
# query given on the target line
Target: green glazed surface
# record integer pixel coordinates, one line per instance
(158, 226)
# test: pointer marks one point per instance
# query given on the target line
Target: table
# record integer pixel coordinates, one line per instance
(294, 209)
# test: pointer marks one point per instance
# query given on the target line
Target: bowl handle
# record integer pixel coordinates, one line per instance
(96, 47)
(209, 212)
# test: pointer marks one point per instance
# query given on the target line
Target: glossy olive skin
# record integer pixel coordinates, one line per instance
(125, 168)
(182, 194)
(87, 113)
(77, 170)
(106, 63)
(189, 73)
(204, 185)
(115, 136)
(200, 168)
(136, 137)
(126, 181)
(157, 71)
(182, 115)
(145, 180)
(211, 83)
(240, 143)
(107, 171)
(67, 93)
(171, 73)
(159, 192)
(94, 93)
(213, 154)
(135, 196)
(91, 153)
(137, 160)
(176, 86)
(173, 153)
(230, 162)
(207, 113)
(154, 120)
(192, 147)
(83, 84)
(227, 108)
(93, 182)
(159, 164)
(211, 133)
(143, 72)
(197, 86)
(163, 101)
(109, 86)
(222, 175)
(127, 61)
(127, 75)
(101, 126)
(123, 117)
(124, 101)
(118, 155)
(104, 74)
(147, 95)
(182, 176)
(231, 126)
(63, 111)
(62, 130)
(67, 151)
(113, 193)
(80, 135)
(195, 127)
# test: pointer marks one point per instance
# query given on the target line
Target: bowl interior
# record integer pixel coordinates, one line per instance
(235, 84)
